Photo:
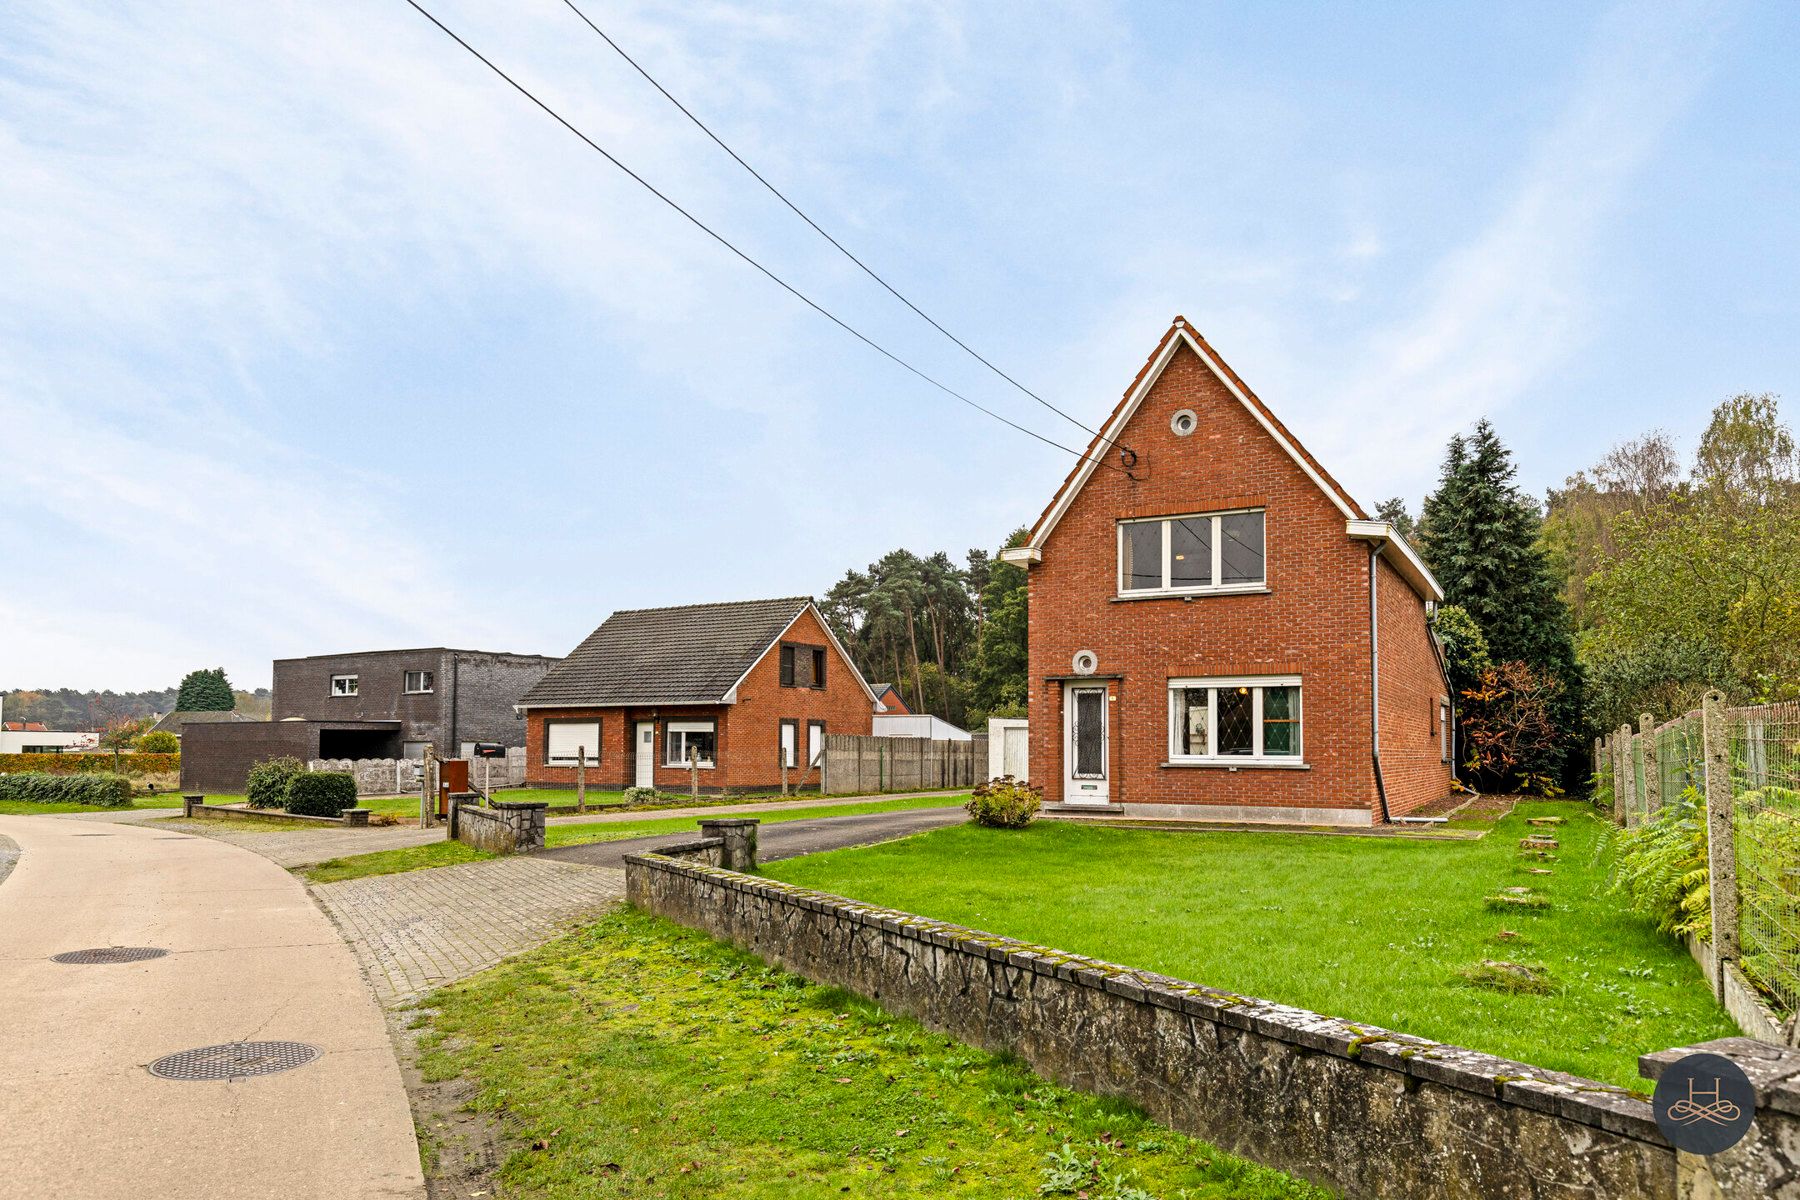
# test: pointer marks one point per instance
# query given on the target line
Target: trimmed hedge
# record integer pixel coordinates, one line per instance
(269, 780)
(104, 791)
(321, 793)
(86, 763)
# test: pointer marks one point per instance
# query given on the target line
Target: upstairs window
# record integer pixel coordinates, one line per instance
(803, 666)
(1206, 552)
(416, 683)
(1232, 722)
(343, 685)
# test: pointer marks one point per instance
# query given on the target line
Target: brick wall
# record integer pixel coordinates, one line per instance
(1412, 765)
(472, 696)
(1311, 622)
(748, 731)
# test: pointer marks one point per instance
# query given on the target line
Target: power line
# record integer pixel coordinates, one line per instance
(841, 248)
(721, 239)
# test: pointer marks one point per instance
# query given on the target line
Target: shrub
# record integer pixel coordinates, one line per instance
(321, 793)
(107, 791)
(1005, 803)
(159, 741)
(267, 786)
(640, 795)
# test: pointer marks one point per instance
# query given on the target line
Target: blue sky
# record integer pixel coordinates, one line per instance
(314, 336)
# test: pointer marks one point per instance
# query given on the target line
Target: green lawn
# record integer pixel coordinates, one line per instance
(636, 1058)
(1376, 930)
(387, 862)
(25, 808)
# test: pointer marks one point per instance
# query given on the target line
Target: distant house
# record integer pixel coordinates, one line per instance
(1218, 630)
(888, 696)
(371, 704)
(33, 737)
(174, 722)
(742, 687)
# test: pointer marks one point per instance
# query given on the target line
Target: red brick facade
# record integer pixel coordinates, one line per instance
(1310, 620)
(749, 731)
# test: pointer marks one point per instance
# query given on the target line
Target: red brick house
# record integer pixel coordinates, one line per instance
(1217, 630)
(889, 697)
(744, 686)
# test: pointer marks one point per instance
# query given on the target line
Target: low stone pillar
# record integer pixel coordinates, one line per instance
(739, 836)
(356, 816)
(526, 820)
(190, 803)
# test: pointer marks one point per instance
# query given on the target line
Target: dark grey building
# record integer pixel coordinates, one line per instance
(374, 704)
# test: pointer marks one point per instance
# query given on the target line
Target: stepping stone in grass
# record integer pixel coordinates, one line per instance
(1516, 897)
(1543, 820)
(1539, 855)
(1538, 841)
(1539, 871)
(1506, 935)
(1501, 976)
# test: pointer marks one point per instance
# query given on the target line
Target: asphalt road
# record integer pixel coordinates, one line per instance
(784, 839)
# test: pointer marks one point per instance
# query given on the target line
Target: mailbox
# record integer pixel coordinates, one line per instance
(489, 750)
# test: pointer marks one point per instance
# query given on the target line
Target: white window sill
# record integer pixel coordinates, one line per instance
(669, 766)
(425, 693)
(1234, 764)
(1245, 589)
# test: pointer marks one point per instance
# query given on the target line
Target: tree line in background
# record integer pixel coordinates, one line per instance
(107, 711)
(1634, 588)
(950, 637)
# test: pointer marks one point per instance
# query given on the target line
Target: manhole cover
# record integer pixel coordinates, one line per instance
(234, 1060)
(109, 954)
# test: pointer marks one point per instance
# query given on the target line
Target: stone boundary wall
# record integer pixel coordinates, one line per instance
(503, 827)
(195, 807)
(1368, 1111)
(402, 776)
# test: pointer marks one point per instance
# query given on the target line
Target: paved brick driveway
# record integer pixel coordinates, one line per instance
(418, 930)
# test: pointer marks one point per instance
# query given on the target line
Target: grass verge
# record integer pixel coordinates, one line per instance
(436, 854)
(1388, 931)
(25, 808)
(636, 1058)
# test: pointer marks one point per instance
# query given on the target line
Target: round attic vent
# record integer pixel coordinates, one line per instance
(1086, 662)
(1184, 422)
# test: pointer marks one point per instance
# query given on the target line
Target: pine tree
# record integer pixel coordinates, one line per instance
(1480, 538)
(205, 691)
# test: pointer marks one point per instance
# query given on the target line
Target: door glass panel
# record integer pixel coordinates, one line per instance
(1235, 721)
(1190, 552)
(1142, 547)
(1281, 721)
(1090, 734)
(1241, 548)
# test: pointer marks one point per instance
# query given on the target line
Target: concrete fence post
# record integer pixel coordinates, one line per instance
(581, 779)
(1721, 850)
(1652, 768)
(693, 774)
(1627, 796)
(427, 784)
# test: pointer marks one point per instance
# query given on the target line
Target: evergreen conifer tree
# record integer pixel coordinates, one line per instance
(205, 691)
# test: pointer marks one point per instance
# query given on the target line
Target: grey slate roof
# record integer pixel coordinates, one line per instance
(692, 654)
(173, 722)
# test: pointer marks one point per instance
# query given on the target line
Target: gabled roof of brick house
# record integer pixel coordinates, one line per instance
(1358, 524)
(689, 654)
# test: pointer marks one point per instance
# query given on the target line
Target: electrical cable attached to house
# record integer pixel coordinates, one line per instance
(817, 228)
(723, 241)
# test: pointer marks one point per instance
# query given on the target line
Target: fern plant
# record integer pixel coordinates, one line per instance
(1661, 866)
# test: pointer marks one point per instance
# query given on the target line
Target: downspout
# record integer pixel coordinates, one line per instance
(1449, 693)
(1375, 685)
(455, 694)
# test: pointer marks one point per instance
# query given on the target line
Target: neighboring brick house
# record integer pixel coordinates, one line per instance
(888, 696)
(745, 686)
(1212, 618)
(371, 704)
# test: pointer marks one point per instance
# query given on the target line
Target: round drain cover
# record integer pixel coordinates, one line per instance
(235, 1060)
(109, 954)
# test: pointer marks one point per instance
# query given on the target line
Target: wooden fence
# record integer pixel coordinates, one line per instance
(855, 764)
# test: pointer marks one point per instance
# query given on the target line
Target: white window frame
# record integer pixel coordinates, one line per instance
(429, 679)
(687, 727)
(592, 745)
(1443, 731)
(345, 686)
(1256, 684)
(815, 742)
(1218, 556)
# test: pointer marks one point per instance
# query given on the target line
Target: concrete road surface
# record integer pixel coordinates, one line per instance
(784, 839)
(251, 958)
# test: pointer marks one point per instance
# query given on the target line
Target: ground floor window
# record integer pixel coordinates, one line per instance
(815, 742)
(682, 737)
(790, 743)
(1233, 721)
(566, 741)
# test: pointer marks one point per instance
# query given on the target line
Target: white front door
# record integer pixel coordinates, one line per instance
(646, 753)
(1084, 744)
